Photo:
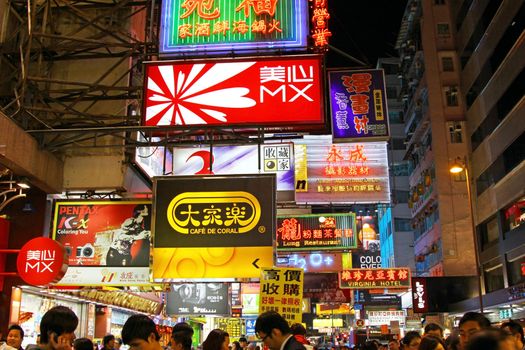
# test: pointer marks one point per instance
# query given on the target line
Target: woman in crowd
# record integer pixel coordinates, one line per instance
(431, 342)
(236, 345)
(217, 340)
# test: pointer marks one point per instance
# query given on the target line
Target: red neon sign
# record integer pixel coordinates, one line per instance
(272, 91)
(374, 278)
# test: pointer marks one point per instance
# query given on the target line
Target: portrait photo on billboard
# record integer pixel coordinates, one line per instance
(104, 233)
(198, 298)
(368, 233)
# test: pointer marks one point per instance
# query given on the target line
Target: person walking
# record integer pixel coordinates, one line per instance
(140, 333)
(217, 340)
(274, 332)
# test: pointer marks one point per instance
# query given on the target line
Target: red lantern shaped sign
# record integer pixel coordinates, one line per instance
(42, 261)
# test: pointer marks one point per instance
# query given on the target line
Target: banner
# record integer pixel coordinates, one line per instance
(198, 299)
(375, 278)
(108, 242)
(273, 91)
(231, 160)
(328, 309)
(226, 26)
(213, 226)
(341, 173)
(358, 105)
(378, 318)
(316, 231)
(282, 291)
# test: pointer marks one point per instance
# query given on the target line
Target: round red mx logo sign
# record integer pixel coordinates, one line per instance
(360, 323)
(42, 261)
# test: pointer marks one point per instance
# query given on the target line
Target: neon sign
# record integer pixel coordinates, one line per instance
(314, 262)
(199, 27)
(375, 278)
(320, 32)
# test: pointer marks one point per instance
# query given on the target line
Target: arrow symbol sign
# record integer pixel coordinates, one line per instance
(254, 263)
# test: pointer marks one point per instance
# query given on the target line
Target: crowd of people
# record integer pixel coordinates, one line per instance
(58, 325)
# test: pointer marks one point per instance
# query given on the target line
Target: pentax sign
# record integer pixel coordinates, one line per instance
(241, 92)
(192, 27)
(375, 278)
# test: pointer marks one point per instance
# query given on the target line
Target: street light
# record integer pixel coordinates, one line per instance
(460, 165)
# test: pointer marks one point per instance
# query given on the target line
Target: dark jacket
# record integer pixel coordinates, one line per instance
(293, 344)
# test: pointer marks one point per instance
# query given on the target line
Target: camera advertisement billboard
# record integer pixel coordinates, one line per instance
(198, 299)
(108, 242)
(230, 160)
(213, 226)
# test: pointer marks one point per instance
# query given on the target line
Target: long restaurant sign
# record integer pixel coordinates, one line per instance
(192, 27)
(375, 278)
(242, 92)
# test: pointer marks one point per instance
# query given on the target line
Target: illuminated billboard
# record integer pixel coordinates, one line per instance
(375, 278)
(231, 160)
(315, 261)
(341, 173)
(193, 27)
(358, 105)
(271, 91)
(198, 299)
(213, 226)
(316, 231)
(108, 242)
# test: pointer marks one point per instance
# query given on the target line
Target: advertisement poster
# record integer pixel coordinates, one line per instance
(316, 231)
(198, 299)
(264, 91)
(324, 288)
(358, 105)
(375, 278)
(341, 173)
(231, 160)
(250, 298)
(282, 291)
(226, 26)
(378, 318)
(368, 233)
(108, 241)
(213, 226)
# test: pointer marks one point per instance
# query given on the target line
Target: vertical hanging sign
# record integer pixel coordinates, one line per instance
(282, 291)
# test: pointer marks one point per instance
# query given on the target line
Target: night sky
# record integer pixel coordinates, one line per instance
(364, 29)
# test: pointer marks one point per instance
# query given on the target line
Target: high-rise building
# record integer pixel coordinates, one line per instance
(396, 234)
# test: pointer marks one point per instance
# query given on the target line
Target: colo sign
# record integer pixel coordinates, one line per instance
(375, 278)
(225, 26)
(249, 91)
(213, 226)
(341, 173)
(358, 105)
(108, 242)
(317, 231)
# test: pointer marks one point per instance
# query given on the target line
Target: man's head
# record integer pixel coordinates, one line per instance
(58, 326)
(490, 338)
(393, 345)
(83, 344)
(181, 336)
(108, 342)
(411, 340)
(516, 330)
(434, 329)
(298, 329)
(140, 333)
(243, 342)
(272, 329)
(15, 335)
(470, 323)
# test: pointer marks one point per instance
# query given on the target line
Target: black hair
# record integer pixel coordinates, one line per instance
(83, 344)
(138, 327)
(369, 345)
(482, 321)
(243, 339)
(409, 336)
(514, 328)
(237, 344)
(139, 209)
(433, 327)
(107, 338)
(489, 338)
(271, 320)
(18, 328)
(214, 340)
(58, 320)
(298, 329)
(182, 333)
(430, 342)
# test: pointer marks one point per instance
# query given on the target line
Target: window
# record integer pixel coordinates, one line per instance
(455, 132)
(514, 215)
(516, 271)
(443, 29)
(401, 224)
(493, 277)
(391, 92)
(451, 95)
(489, 232)
(447, 64)
(398, 143)
(401, 196)
(400, 169)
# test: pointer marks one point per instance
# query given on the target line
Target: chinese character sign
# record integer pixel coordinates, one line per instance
(199, 27)
(320, 31)
(358, 105)
(375, 278)
(241, 92)
(341, 173)
(314, 232)
(42, 261)
(282, 291)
